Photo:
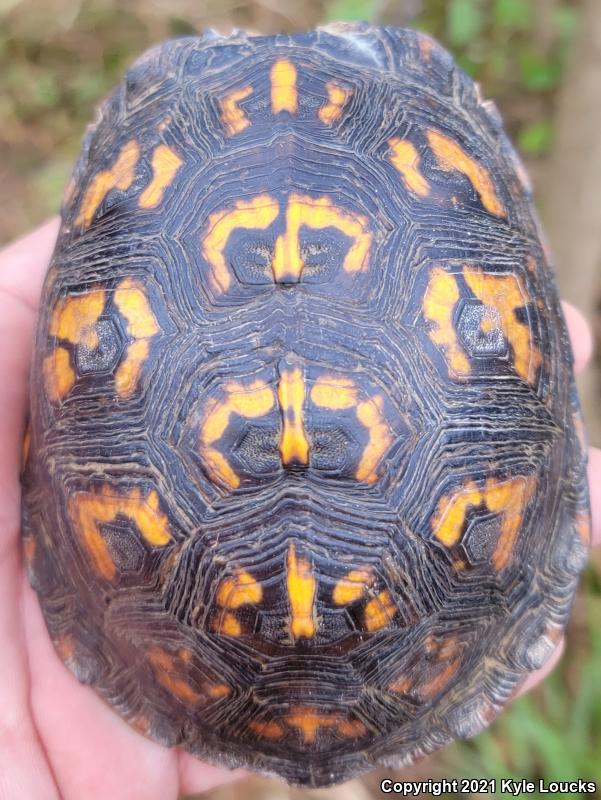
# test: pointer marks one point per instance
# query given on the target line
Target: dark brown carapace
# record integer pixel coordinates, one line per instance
(304, 491)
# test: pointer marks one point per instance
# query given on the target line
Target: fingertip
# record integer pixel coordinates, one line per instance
(536, 677)
(581, 336)
(196, 776)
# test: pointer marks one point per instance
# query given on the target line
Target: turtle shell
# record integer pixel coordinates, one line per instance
(305, 489)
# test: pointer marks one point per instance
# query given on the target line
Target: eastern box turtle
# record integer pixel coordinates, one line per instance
(305, 487)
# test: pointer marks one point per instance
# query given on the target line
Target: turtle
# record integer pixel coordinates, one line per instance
(304, 478)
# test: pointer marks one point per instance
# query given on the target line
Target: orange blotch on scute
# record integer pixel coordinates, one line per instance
(233, 117)
(267, 730)
(442, 295)
(238, 590)
(89, 510)
(302, 588)
(506, 294)
(284, 96)
(258, 214)
(250, 401)
(370, 413)
(74, 318)
(338, 393)
(132, 302)
(170, 673)
(318, 213)
(308, 721)
(165, 164)
(506, 497)
(406, 160)
(337, 97)
(119, 176)
(352, 587)
(59, 375)
(294, 445)
(379, 611)
(452, 157)
(233, 592)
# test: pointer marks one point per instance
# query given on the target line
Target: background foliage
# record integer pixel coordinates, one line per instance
(59, 57)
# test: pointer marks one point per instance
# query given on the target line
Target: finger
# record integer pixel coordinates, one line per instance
(580, 335)
(594, 481)
(24, 770)
(541, 674)
(23, 264)
(94, 754)
(196, 777)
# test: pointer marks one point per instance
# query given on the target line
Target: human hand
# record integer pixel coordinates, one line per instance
(58, 739)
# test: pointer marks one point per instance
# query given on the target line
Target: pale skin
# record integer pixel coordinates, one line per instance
(58, 740)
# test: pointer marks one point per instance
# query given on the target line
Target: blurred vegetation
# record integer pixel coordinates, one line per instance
(58, 58)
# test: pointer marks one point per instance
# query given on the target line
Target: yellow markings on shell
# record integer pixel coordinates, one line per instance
(26, 444)
(218, 690)
(165, 164)
(352, 587)
(402, 684)
(64, 645)
(337, 393)
(133, 304)
(239, 590)
(89, 510)
(234, 118)
(284, 95)
(439, 303)
(452, 157)
(308, 721)
(269, 730)
(406, 161)
(370, 414)
(302, 588)
(228, 625)
(505, 497)
(251, 401)
(119, 176)
(294, 446)
(29, 549)
(142, 325)
(257, 214)
(319, 213)
(506, 294)
(431, 688)
(337, 97)
(169, 673)
(334, 392)
(379, 611)
(59, 375)
(234, 592)
(74, 318)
